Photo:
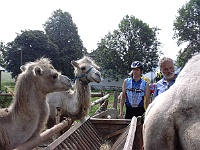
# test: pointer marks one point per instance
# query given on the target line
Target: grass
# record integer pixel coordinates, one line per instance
(110, 101)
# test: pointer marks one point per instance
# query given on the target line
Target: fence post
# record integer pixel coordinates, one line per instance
(115, 99)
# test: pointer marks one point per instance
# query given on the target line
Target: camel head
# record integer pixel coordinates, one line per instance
(43, 71)
(86, 70)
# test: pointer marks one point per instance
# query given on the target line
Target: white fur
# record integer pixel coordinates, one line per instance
(172, 121)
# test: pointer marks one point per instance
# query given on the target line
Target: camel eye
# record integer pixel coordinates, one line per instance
(55, 75)
(83, 68)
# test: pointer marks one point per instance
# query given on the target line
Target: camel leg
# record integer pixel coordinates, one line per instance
(159, 133)
(189, 134)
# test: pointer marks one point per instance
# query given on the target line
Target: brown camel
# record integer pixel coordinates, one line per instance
(172, 121)
(27, 115)
(75, 103)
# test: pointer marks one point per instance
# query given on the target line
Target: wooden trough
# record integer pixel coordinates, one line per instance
(92, 133)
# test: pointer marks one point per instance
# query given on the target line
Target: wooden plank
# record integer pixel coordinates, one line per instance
(6, 94)
(119, 143)
(101, 94)
(106, 127)
(100, 100)
(131, 135)
(110, 121)
(113, 113)
(66, 134)
(115, 133)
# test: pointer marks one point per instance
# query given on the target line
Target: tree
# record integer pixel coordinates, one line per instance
(29, 46)
(2, 54)
(134, 40)
(187, 30)
(64, 33)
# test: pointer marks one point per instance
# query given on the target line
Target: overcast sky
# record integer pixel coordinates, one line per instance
(93, 18)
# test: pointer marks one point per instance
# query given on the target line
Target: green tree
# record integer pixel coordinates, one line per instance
(187, 30)
(29, 46)
(64, 33)
(2, 54)
(134, 40)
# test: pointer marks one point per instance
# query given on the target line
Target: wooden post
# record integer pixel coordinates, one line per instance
(115, 99)
(102, 93)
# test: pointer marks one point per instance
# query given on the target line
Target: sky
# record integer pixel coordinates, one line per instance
(93, 18)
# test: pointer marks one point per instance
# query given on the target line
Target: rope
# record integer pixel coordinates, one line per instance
(83, 75)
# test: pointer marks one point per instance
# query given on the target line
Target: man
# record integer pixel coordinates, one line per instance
(169, 77)
(134, 92)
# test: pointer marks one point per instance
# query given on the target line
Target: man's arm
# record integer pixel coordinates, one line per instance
(147, 94)
(122, 100)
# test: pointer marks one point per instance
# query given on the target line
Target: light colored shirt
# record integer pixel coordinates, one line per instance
(162, 86)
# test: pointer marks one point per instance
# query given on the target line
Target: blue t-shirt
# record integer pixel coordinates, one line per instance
(135, 92)
(162, 86)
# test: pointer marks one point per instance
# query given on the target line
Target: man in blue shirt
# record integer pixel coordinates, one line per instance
(169, 77)
(135, 93)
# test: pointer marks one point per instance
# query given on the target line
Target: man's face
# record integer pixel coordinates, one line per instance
(167, 70)
(136, 72)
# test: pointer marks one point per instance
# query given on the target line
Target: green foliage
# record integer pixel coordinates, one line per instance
(187, 30)
(6, 81)
(2, 54)
(29, 46)
(64, 33)
(134, 40)
(5, 101)
(61, 43)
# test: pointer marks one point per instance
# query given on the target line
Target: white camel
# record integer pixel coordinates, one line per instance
(172, 121)
(75, 103)
(26, 117)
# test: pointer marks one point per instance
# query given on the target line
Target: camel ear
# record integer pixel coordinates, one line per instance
(74, 63)
(37, 71)
(22, 68)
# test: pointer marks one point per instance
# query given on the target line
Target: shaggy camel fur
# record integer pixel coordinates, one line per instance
(75, 103)
(172, 121)
(27, 115)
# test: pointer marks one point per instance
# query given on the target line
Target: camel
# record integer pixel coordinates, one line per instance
(27, 115)
(75, 103)
(172, 121)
